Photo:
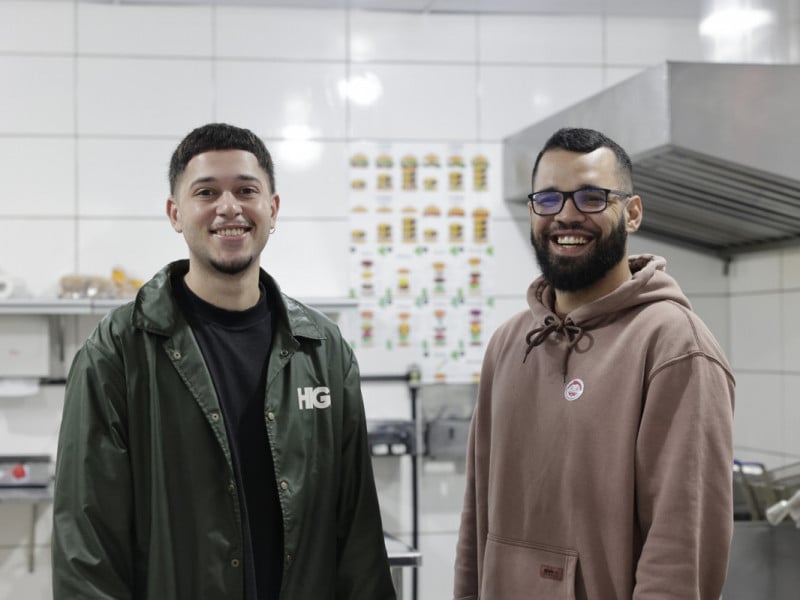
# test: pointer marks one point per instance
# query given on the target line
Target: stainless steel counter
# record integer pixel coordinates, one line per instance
(401, 555)
(764, 562)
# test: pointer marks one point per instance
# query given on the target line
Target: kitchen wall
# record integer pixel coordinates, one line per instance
(95, 97)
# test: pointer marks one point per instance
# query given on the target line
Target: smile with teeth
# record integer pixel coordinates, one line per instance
(571, 240)
(230, 231)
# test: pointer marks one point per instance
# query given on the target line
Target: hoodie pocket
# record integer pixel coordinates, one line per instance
(517, 570)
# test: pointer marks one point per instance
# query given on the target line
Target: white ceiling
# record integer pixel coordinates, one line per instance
(644, 8)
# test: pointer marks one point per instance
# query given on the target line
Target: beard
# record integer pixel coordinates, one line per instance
(232, 267)
(570, 274)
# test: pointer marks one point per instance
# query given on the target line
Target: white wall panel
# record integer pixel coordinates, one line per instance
(755, 272)
(758, 414)
(412, 37)
(38, 176)
(271, 97)
(37, 95)
(309, 258)
(311, 178)
(540, 39)
(429, 102)
(244, 32)
(642, 41)
(790, 263)
(27, 26)
(514, 257)
(790, 332)
(515, 97)
(140, 30)
(110, 185)
(37, 252)
(139, 247)
(756, 332)
(140, 97)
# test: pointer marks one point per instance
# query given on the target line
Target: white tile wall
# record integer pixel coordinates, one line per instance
(790, 276)
(43, 181)
(134, 97)
(514, 97)
(322, 195)
(140, 31)
(759, 398)
(27, 26)
(38, 95)
(541, 39)
(268, 97)
(37, 252)
(756, 332)
(790, 333)
(756, 272)
(140, 247)
(412, 37)
(641, 41)
(514, 256)
(419, 101)
(244, 32)
(324, 247)
(107, 186)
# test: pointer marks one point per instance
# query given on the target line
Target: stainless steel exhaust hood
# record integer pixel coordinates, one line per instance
(715, 148)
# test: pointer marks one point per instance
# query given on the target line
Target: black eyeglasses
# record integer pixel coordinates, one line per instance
(586, 200)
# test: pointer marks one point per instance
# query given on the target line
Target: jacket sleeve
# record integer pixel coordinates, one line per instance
(362, 562)
(92, 541)
(684, 462)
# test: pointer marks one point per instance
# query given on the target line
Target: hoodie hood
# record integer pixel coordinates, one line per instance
(649, 283)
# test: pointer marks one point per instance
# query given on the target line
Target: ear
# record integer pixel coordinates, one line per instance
(275, 205)
(174, 214)
(633, 214)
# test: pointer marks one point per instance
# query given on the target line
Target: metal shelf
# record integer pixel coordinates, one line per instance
(89, 306)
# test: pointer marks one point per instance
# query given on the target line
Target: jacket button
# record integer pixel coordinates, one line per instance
(288, 559)
(235, 563)
(176, 355)
(215, 416)
(284, 353)
(231, 488)
(271, 416)
(284, 485)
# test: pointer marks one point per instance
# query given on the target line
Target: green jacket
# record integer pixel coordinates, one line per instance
(146, 504)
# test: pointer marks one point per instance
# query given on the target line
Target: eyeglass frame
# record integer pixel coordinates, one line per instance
(566, 195)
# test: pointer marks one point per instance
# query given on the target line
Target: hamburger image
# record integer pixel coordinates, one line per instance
(430, 160)
(359, 160)
(384, 161)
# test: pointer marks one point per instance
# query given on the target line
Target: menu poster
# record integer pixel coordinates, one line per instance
(422, 254)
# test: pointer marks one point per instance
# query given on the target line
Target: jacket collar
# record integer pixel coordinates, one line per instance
(155, 309)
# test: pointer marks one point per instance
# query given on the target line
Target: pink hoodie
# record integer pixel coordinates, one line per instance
(600, 456)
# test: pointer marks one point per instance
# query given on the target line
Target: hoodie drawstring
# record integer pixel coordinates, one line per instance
(536, 336)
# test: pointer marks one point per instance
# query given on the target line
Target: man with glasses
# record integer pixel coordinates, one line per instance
(600, 455)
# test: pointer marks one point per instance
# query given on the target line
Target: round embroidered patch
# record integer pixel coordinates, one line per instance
(574, 389)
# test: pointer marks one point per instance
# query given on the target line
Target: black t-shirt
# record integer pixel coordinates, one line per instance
(235, 346)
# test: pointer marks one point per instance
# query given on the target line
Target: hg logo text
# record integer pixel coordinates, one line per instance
(318, 397)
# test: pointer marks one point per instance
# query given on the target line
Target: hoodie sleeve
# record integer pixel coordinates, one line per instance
(684, 461)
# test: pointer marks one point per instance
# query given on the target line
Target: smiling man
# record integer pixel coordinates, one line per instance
(600, 455)
(213, 443)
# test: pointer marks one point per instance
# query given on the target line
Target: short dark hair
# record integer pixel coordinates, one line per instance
(219, 136)
(576, 139)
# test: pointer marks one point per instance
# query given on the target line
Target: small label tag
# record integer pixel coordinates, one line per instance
(549, 572)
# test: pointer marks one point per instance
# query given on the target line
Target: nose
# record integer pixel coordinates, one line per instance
(228, 204)
(569, 212)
